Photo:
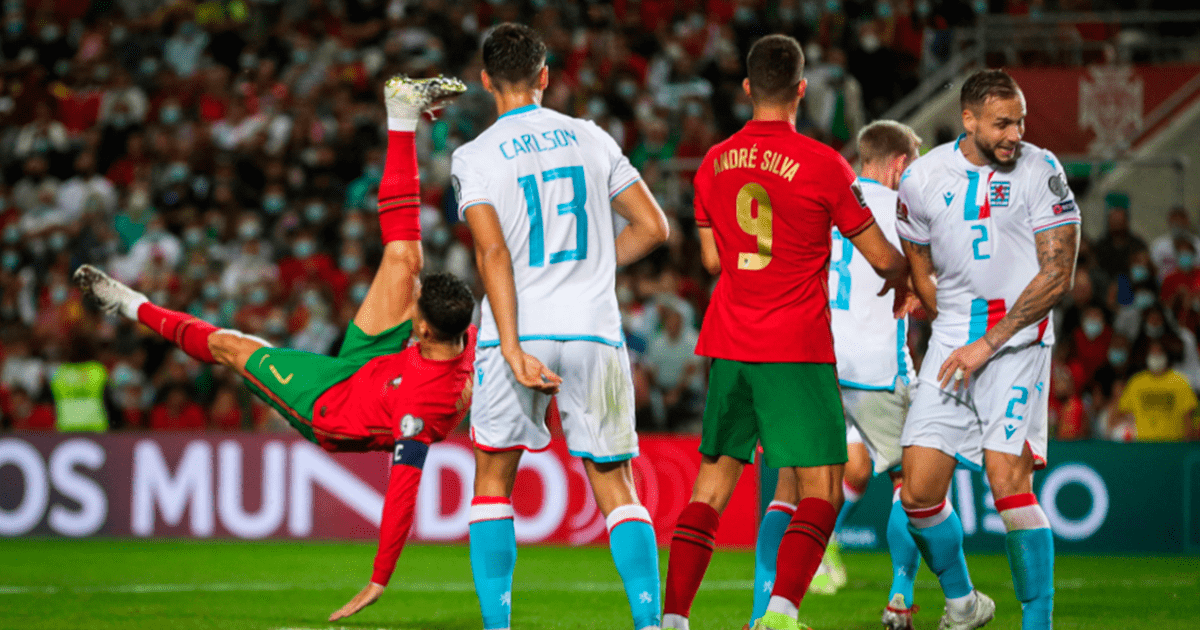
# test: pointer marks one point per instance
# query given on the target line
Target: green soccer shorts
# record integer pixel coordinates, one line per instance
(794, 409)
(291, 381)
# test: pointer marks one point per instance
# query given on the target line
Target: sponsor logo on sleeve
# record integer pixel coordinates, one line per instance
(1058, 185)
(999, 194)
(1064, 207)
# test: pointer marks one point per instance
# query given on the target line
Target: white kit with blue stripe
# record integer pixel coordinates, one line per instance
(868, 341)
(980, 223)
(551, 179)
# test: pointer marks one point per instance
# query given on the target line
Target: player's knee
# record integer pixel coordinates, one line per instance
(858, 476)
(917, 498)
(1007, 481)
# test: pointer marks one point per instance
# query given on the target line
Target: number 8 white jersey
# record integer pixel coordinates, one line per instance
(551, 179)
(980, 222)
(869, 342)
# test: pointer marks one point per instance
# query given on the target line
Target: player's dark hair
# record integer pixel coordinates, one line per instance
(884, 139)
(775, 67)
(446, 304)
(513, 55)
(986, 84)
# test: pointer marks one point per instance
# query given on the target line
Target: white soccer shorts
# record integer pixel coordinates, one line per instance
(1002, 409)
(876, 418)
(595, 401)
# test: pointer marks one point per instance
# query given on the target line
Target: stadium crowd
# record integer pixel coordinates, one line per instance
(224, 157)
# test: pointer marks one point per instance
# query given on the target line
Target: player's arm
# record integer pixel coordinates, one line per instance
(494, 262)
(389, 301)
(924, 279)
(399, 505)
(887, 261)
(647, 227)
(1057, 249)
(709, 256)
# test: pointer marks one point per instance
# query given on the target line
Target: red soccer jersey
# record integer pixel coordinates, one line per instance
(771, 197)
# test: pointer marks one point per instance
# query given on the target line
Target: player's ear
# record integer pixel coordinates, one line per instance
(543, 78)
(802, 88)
(746, 87)
(969, 120)
(486, 80)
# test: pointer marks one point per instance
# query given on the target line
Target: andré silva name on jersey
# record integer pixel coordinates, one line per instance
(770, 161)
(530, 143)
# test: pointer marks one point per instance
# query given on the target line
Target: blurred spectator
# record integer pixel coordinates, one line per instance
(1067, 416)
(177, 411)
(1159, 401)
(1164, 251)
(24, 414)
(1114, 250)
(674, 371)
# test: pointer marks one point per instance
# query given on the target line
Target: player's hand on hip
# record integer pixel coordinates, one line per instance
(365, 598)
(531, 373)
(962, 364)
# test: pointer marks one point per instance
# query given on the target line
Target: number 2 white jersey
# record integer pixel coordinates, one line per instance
(980, 222)
(551, 179)
(869, 342)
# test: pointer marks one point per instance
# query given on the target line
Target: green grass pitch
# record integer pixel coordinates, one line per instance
(101, 584)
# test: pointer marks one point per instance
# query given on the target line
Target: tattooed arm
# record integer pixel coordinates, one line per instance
(924, 279)
(1056, 252)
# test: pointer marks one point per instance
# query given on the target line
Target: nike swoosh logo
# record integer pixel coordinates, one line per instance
(1008, 430)
(264, 358)
(279, 378)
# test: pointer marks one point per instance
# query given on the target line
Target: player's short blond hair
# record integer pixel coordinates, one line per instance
(884, 139)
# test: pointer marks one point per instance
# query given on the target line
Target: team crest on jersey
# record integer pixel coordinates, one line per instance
(858, 193)
(901, 211)
(998, 194)
(411, 425)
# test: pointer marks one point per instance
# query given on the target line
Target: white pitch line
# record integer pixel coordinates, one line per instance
(414, 587)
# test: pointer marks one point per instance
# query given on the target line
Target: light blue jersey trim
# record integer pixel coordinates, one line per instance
(869, 388)
(901, 344)
(520, 110)
(869, 180)
(959, 140)
(608, 342)
(605, 459)
(913, 240)
(625, 187)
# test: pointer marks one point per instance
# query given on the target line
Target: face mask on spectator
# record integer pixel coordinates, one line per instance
(350, 263)
(1154, 331)
(193, 236)
(148, 66)
(1157, 362)
(743, 111)
(313, 299)
(275, 327)
(1092, 328)
(249, 230)
(211, 291)
(57, 241)
(37, 247)
(981, 7)
(439, 237)
(1186, 261)
(922, 8)
(300, 56)
(10, 260)
(1118, 356)
(50, 32)
(314, 212)
(258, 296)
(883, 10)
(14, 27)
(304, 248)
(247, 60)
(170, 115)
(177, 172)
(1143, 300)
(358, 292)
(12, 234)
(273, 203)
(353, 230)
(870, 42)
(833, 6)
(58, 294)
(118, 34)
(627, 89)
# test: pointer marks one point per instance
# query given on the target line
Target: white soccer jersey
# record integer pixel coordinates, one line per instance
(980, 222)
(868, 341)
(551, 179)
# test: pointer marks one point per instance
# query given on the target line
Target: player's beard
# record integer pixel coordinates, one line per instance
(989, 152)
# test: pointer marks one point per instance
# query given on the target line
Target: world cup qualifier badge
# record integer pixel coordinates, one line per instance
(858, 193)
(457, 187)
(901, 211)
(1058, 185)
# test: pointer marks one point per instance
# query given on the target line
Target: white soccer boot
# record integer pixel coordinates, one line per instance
(112, 296)
(898, 615)
(406, 99)
(978, 617)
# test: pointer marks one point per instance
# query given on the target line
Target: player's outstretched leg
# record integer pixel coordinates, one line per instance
(939, 535)
(906, 559)
(1030, 545)
(766, 552)
(493, 550)
(635, 553)
(190, 334)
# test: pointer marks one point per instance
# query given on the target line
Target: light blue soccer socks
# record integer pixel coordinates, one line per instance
(1030, 546)
(766, 552)
(493, 558)
(939, 536)
(635, 552)
(906, 558)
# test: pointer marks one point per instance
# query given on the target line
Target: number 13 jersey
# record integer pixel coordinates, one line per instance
(980, 224)
(551, 179)
(771, 197)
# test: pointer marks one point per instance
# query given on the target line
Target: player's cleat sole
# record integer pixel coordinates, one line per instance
(980, 615)
(833, 562)
(110, 295)
(897, 615)
(407, 98)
